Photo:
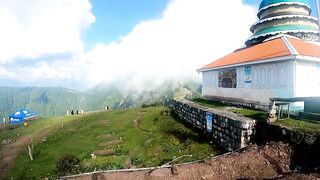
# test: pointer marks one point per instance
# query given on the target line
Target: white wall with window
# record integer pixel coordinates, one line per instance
(256, 82)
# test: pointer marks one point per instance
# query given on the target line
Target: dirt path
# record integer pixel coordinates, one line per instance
(10, 152)
(270, 161)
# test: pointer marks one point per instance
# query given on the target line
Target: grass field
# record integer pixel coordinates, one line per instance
(122, 138)
(300, 125)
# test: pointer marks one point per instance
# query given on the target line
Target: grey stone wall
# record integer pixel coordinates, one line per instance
(228, 130)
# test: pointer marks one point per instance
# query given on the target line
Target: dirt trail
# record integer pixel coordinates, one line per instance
(10, 152)
(136, 124)
(269, 161)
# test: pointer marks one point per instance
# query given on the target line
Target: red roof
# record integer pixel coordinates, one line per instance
(275, 48)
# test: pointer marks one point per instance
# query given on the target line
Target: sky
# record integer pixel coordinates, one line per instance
(81, 43)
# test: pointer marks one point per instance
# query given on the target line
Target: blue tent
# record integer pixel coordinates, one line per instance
(19, 116)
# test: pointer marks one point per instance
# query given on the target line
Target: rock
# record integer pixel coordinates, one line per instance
(44, 139)
(8, 141)
(309, 139)
(175, 170)
(93, 156)
(97, 176)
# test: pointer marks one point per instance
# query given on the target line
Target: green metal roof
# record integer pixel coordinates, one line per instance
(285, 28)
(266, 3)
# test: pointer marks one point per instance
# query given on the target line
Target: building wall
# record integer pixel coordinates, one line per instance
(307, 79)
(267, 80)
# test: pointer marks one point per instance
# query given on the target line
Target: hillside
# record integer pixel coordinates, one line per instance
(140, 137)
(54, 101)
(46, 102)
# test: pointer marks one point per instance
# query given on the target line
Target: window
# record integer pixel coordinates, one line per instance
(227, 78)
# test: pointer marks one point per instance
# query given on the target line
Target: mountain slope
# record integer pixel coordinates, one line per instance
(54, 101)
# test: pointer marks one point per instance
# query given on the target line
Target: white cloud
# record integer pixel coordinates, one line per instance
(190, 34)
(38, 27)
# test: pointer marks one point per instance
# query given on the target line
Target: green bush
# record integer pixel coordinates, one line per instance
(121, 151)
(67, 165)
(138, 159)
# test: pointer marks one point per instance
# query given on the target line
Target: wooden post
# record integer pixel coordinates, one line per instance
(288, 110)
(278, 117)
(30, 153)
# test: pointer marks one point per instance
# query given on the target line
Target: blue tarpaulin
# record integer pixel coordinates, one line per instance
(19, 116)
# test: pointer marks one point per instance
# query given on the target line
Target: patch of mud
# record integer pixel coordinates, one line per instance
(104, 152)
(114, 142)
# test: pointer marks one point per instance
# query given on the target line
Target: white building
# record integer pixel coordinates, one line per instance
(281, 59)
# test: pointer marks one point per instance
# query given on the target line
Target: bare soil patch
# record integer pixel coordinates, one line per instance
(104, 152)
(10, 152)
(267, 162)
(114, 142)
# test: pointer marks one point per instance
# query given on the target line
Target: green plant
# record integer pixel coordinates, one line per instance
(138, 159)
(121, 151)
(68, 164)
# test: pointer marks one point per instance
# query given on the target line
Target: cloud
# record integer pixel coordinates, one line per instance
(188, 35)
(38, 27)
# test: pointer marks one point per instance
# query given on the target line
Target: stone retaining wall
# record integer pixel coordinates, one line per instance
(227, 130)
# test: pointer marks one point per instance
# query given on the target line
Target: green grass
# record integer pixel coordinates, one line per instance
(251, 113)
(208, 103)
(300, 125)
(246, 112)
(156, 140)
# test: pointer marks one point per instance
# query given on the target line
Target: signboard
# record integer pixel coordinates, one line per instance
(247, 74)
(209, 122)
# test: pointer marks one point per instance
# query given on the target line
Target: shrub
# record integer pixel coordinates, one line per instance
(68, 164)
(138, 159)
(120, 152)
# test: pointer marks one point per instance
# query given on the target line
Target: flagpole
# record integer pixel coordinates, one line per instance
(318, 12)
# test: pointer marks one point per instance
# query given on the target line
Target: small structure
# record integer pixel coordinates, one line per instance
(311, 106)
(20, 116)
(281, 59)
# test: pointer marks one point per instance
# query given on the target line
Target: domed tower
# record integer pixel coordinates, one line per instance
(287, 17)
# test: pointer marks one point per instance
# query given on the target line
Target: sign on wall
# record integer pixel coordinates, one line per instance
(209, 122)
(247, 74)
(227, 78)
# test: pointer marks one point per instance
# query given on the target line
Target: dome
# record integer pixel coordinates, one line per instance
(266, 3)
(290, 17)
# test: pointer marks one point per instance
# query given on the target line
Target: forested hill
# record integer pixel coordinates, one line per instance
(54, 101)
(46, 102)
